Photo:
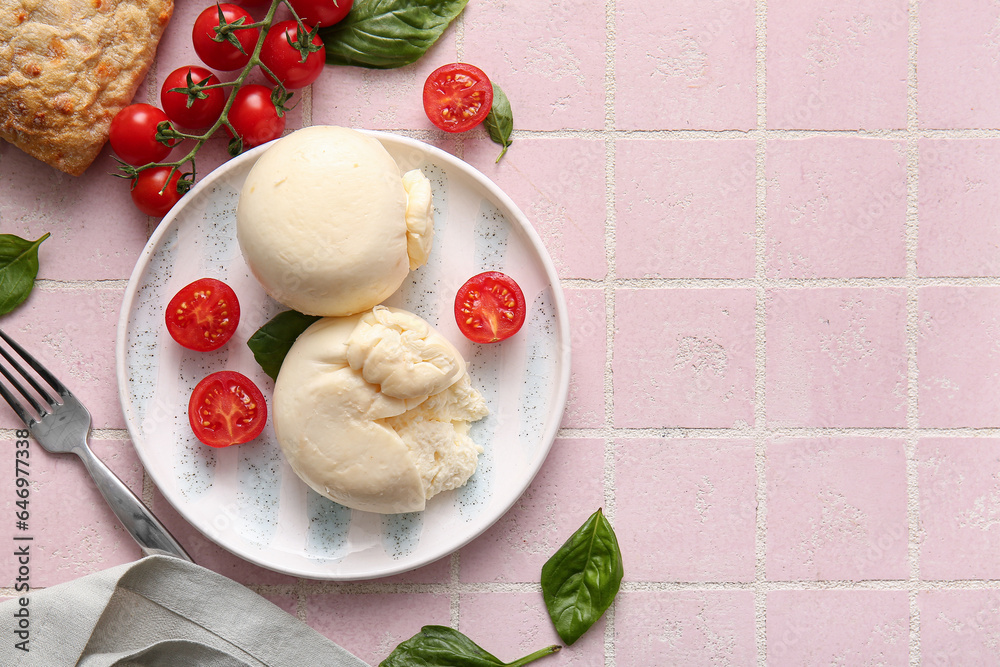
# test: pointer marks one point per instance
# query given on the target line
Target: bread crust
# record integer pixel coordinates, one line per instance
(67, 67)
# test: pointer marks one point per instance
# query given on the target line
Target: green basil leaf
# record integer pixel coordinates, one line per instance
(440, 646)
(383, 34)
(500, 121)
(581, 579)
(18, 270)
(272, 341)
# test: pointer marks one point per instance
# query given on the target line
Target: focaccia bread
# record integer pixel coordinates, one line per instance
(67, 67)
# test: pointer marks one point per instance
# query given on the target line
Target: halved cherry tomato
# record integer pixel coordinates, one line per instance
(489, 307)
(227, 408)
(204, 315)
(457, 97)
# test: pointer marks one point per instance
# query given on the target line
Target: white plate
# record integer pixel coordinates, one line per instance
(246, 498)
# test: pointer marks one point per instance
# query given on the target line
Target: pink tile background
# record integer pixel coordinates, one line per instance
(775, 223)
(685, 628)
(836, 357)
(836, 509)
(957, 180)
(959, 482)
(836, 208)
(837, 66)
(685, 209)
(958, 353)
(699, 495)
(698, 57)
(850, 627)
(684, 357)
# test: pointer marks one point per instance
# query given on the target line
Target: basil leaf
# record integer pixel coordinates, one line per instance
(582, 578)
(272, 341)
(440, 646)
(500, 120)
(384, 34)
(18, 270)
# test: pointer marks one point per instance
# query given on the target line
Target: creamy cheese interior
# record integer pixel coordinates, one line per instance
(373, 411)
(328, 225)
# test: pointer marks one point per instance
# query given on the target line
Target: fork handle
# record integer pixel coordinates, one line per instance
(152, 537)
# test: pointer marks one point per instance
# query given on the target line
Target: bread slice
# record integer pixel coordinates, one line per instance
(67, 67)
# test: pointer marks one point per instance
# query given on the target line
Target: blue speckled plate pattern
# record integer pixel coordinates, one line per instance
(246, 498)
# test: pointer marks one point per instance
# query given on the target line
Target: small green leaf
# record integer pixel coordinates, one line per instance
(440, 646)
(582, 578)
(384, 34)
(272, 341)
(18, 269)
(500, 121)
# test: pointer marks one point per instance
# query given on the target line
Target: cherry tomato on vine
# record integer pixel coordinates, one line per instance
(322, 12)
(254, 116)
(222, 53)
(149, 193)
(489, 307)
(280, 53)
(195, 113)
(227, 408)
(133, 134)
(203, 315)
(457, 97)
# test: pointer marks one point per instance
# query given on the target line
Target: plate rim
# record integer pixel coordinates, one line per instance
(563, 352)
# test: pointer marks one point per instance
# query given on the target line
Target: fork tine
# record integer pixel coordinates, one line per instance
(20, 387)
(42, 371)
(12, 401)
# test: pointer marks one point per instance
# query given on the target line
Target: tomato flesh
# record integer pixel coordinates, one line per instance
(203, 316)
(489, 307)
(227, 408)
(457, 97)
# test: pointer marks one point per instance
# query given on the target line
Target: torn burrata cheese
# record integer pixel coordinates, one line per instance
(327, 224)
(373, 411)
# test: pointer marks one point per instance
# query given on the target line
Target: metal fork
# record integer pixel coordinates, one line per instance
(63, 425)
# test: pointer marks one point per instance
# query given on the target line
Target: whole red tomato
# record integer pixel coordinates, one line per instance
(219, 51)
(197, 112)
(322, 12)
(255, 117)
(133, 134)
(282, 54)
(153, 194)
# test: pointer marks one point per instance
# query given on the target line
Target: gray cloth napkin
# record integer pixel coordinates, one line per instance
(159, 611)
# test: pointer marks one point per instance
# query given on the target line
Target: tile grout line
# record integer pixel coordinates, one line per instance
(610, 226)
(912, 318)
(760, 327)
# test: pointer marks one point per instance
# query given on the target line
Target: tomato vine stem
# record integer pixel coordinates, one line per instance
(167, 132)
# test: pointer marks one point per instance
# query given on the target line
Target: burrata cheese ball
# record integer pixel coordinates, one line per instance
(374, 410)
(328, 225)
